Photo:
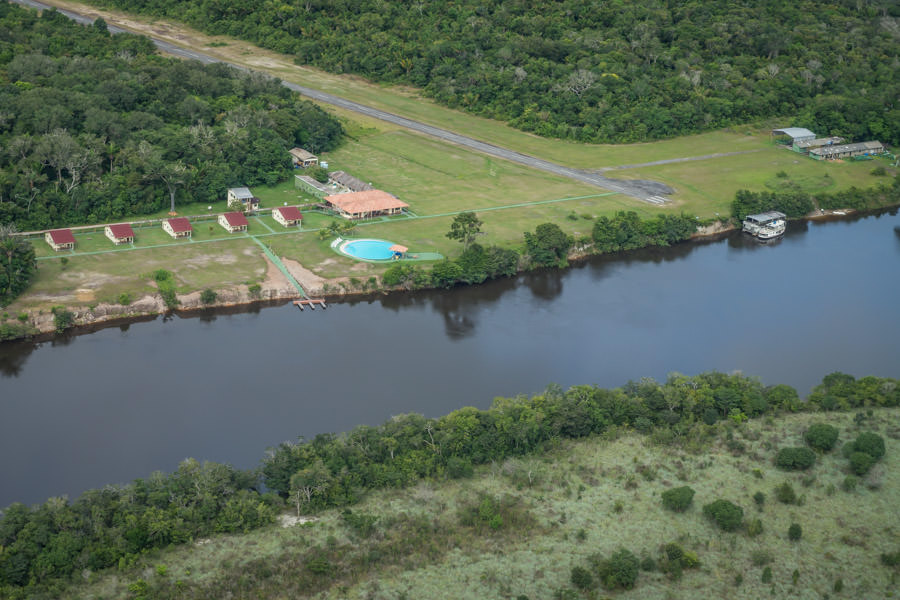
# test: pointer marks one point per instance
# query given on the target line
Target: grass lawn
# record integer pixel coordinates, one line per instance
(89, 279)
(708, 186)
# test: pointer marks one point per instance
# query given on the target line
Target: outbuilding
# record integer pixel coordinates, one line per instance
(847, 150)
(797, 134)
(248, 200)
(300, 158)
(287, 215)
(365, 205)
(120, 233)
(350, 182)
(60, 239)
(233, 221)
(178, 227)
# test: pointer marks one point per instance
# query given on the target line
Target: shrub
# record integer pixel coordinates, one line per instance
(754, 528)
(767, 575)
(838, 585)
(620, 570)
(821, 436)
(208, 296)
(784, 493)
(125, 299)
(62, 318)
(760, 499)
(860, 463)
(878, 171)
(795, 532)
(849, 483)
(678, 499)
(870, 443)
(255, 290)
(726, 515)
(760, 558)
(795, 459)
(582, 578)
(891, 559)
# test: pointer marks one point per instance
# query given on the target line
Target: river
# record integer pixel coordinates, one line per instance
(110, 406)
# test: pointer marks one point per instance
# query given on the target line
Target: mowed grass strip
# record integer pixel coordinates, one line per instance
(708, 186)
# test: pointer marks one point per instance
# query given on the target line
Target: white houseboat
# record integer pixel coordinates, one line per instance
(766, 225)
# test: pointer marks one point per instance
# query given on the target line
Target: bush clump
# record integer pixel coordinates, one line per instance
(860, 463)
(726, 515)
(785, 494)
(678, 499)
(870, 443)
(582, 578)
(674, 559)
(795, 459)
(208, 296)
(821, 436)
(620, 570)
(795, 532)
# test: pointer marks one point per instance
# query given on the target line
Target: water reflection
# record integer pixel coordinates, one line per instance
(14, 355)
(604, 321)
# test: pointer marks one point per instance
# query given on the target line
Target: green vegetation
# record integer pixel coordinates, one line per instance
(795, 532)
(619, 570)
(208, 296)
(165, 284)
(618, 72)
(821, 436)
(98, 127)
(626, 231)
(727, 515)
(410, 540)
(678, 499)
(17, 264)
(795, 459)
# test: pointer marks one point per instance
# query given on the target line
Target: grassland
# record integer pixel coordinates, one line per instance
(560, 508)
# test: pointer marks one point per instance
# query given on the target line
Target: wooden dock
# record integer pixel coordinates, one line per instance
(310, 302)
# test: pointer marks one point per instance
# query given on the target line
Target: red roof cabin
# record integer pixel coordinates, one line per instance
(233, 221)
(365, 205)
(287, 215)
(179, 227)
(119, 234)
(60, 239)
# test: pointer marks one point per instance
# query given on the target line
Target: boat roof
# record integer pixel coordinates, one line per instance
(766, 216)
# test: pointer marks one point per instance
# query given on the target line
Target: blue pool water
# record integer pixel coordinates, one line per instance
(368, 249)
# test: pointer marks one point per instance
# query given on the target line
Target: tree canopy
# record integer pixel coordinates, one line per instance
(96, 127)
(616, 71)
(17, 264)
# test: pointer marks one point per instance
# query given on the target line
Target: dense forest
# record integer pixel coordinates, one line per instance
(44, 547)
(616, 71)
(96, 127)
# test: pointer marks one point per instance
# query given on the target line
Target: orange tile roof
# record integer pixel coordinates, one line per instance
(355, 203)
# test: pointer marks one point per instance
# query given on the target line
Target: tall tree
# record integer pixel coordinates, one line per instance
(464, 228)
(17, 264)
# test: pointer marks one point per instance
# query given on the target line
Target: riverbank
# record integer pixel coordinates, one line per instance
(276, 290)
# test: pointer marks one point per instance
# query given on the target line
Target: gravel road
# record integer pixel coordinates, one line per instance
(647, 191)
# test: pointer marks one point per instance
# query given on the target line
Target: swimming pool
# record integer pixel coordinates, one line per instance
(368, 249)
